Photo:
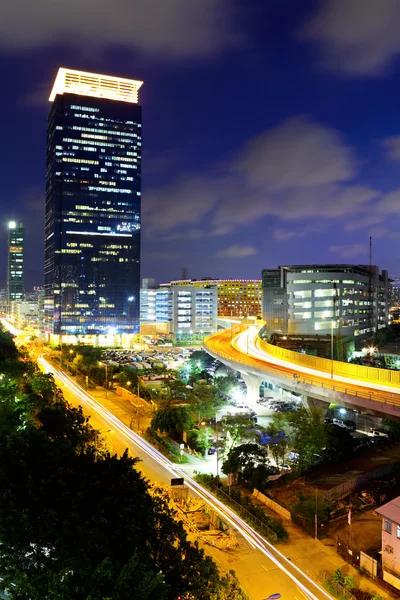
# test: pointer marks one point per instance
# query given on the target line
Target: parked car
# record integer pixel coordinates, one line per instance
(284, 467)
(328, 420)
(376, 433)
(350, 424)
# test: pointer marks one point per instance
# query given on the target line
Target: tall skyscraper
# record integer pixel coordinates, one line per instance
(93, 199)
(15, 264)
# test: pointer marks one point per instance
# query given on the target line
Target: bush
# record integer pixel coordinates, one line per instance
(164, 446)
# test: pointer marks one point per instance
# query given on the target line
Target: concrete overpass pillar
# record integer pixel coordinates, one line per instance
(315, 403)
(253, 383)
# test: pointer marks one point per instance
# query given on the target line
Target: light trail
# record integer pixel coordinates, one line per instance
(254, 538)
(247, 344)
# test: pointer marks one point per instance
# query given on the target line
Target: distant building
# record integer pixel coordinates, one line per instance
(15, 264)
(313, 299)
(390, 513)
(236, 297)
(182, 311)
(395, 297)
(93, 201)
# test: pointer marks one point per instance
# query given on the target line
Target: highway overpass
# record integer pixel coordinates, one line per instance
(319, 381)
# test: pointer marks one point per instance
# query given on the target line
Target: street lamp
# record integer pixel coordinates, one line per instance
(273, 597)
(106, 366)
(96, 441)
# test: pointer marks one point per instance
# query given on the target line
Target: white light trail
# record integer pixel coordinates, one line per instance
(254, 538)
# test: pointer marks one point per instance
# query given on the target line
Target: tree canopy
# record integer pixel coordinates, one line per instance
(76, 524)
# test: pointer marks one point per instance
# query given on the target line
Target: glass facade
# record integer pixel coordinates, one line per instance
(15, 264)
(92, 228)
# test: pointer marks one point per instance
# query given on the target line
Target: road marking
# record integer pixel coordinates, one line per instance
(301, 592)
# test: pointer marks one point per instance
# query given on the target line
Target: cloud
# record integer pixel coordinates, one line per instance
(237, 251)
(392, 145)
(297, 153)
(163, 255)
(173, 28)
(364, 222)
(349, 250)
(297, 170)
(356, 37)
(282, 234)
(390, 203)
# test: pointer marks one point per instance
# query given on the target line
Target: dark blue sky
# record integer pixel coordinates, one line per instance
(271, 128)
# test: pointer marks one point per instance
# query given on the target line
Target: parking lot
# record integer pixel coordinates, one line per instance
(169, 358)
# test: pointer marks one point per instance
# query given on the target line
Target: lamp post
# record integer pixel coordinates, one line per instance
(106, 367)
(96, 441)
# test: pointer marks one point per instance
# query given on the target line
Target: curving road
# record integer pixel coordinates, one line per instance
(262, 569)
(243, 349)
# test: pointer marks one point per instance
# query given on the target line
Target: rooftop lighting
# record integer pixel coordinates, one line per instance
(82, 83)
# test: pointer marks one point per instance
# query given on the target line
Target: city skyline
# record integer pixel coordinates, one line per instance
(271, 134)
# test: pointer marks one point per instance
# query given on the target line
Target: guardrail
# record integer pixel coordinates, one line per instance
(326, 365)
(214, 342)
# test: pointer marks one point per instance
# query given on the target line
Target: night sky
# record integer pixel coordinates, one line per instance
(271, 129)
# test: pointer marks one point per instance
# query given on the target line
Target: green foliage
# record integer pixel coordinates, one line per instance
(306, 431)
(338, 576)
(339, 443)
(79, 525)
(172, 420)
(278, 449)
(349, 582)
(237, 428)
(198, 440)
(393, 427)
(251, 462)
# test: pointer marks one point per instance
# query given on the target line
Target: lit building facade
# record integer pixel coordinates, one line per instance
(93, 201)
(313, 299)
(236, 297)
(15, 264)
(186, 310)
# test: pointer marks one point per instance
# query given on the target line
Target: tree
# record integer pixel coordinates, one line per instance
(307, 435)
(172, 420)
(251, 462)
(339, 443)
(73, 528)
(237, 428)
(203, 403)
(278, 445)
(393, 427)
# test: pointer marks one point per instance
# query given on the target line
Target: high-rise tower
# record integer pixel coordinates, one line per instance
(93, 198)
(15, 263)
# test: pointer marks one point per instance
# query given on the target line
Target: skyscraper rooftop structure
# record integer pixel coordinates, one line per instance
(93, 202)
(15, 264)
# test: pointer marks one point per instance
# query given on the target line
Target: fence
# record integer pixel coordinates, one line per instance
(369, 564)
(247, 515)
(273, 505)
(357, 483)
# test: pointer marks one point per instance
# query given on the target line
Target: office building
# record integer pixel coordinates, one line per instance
(313, 299)
(93, 200)
(183, 311)
(15, 264)
(236, 297)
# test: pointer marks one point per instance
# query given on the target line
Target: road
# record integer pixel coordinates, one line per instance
(260, 567)
(243, 349)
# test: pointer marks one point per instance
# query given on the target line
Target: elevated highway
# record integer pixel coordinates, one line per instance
(320, 381)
